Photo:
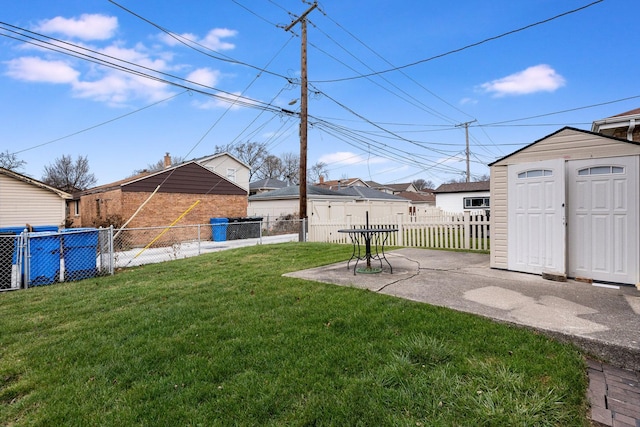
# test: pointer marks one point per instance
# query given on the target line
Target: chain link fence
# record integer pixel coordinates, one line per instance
(138, 246)
(30, 259)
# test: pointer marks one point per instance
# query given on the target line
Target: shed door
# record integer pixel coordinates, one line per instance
(603, 223)
(536, 230)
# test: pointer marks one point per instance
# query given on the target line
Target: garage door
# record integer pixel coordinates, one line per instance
(536, 230)
(603, 224)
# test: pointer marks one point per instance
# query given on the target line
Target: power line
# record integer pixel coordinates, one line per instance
(508, 33)
(100, 124)
(563, 111)
(78, 52)
(189, 43)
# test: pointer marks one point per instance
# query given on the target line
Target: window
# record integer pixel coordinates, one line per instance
(601, 170)
(76, 207)
(535, 173)
(231, 174)
(475, 202)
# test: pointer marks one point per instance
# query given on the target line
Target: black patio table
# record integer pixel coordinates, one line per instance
(373, 239)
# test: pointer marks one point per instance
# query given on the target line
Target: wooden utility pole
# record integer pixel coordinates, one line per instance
(466, 131)
(303, 112)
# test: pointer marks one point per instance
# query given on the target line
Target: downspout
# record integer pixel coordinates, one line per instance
(632, 126)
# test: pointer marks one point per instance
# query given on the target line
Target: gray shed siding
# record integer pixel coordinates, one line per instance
(569, 144)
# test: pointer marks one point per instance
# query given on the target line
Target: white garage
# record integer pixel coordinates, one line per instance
(568, 204)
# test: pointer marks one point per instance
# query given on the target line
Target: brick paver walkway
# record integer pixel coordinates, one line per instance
(614, 395)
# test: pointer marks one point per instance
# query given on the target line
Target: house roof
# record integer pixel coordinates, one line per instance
(557, 132)
(418, 197)
(189, 177)
(340, 183)
(616, 125)
(367, 193)
(463, 187)
(633, 112)
(400, 187)
(293, 192)
(213, 156)
(34, 182)
(267, 183)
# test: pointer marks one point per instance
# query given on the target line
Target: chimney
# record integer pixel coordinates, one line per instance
(321, 179)
(167, 161)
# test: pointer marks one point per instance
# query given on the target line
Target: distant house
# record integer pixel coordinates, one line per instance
(178, 188)
(285, 202)
(264, 185)
(338, 184)
(462, 196)
(24, 200)
(229, 167)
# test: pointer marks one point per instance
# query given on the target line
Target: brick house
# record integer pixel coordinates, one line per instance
(179, 188)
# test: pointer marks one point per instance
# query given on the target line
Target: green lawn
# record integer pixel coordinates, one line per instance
(224, 339)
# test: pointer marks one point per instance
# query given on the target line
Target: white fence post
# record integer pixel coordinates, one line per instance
(467, 229)
(400, 241)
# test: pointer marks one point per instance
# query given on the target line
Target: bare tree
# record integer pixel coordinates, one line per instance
(422, 184)
(159, 165)
(316, 171)
(474, 178)
(271, 168)
(68, 175)
(10, 161)
(251, 153)
(291, 168)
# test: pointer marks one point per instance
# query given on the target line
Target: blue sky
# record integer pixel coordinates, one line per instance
(373, 114)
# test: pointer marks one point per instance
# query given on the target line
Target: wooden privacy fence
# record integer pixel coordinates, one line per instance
(437, 229)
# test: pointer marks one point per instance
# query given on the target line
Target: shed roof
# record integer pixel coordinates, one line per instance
(586, 132)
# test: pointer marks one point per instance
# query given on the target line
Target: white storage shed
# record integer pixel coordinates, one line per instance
(568, 204)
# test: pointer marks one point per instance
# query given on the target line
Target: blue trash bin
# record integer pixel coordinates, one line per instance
(219, 229)
(44, 258)
(79, 252)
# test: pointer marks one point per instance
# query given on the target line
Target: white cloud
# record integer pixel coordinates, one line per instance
(34, 69)
(348, 158)
(117, 89)
(87, 27)
(205, 76)
(539, 78)
(213, 39)
(111, 86)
